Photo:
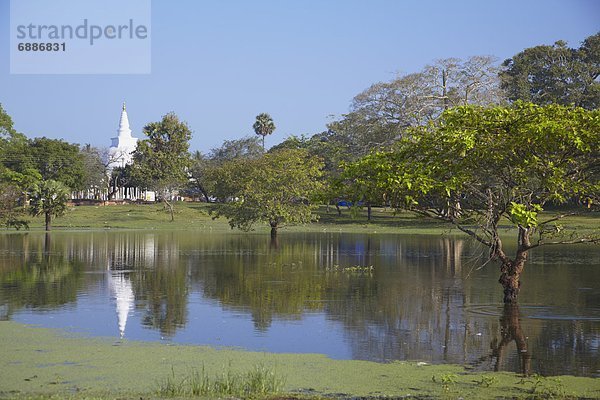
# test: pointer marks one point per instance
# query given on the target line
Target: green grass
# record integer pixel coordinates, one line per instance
(197, 216)
(38, 363)
(258, 382)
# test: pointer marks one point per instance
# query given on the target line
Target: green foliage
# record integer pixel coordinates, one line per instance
(263, 126)
(160, 161)
(258, 382)
(523, 154)
(480, 166)
(95, 169)
(49, 198)
(277, 188)
(246, 147)
(487, 381)
(555, 74)
(12, 209)
(59, 161)
(6, 125)
(446, 380)
(521, 215)
(545, 387)
(205, 170)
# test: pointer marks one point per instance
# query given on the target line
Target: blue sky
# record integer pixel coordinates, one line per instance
(218, 64)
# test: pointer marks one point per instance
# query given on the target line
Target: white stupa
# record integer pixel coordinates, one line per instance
(122, 146)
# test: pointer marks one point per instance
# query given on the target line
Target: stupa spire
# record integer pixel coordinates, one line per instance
(124, 124)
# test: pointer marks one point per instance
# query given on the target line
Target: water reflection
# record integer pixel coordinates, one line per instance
(36, 275)
(122, 291)
(422, 300)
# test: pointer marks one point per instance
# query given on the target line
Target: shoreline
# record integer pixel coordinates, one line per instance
(46, 362)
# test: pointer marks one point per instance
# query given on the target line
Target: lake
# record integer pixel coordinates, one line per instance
(349, 296)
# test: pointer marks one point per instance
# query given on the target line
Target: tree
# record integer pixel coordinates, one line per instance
(205, 169)
(58, 160)
(246, 147)
(555, 74)
(383, 112)
(160, 162)
(49, 198)
(263, 126)
(357, 184)
(199, 169)
(11, 206)
(6, 125)
(96, 170)
(483, 166)
(276, 189)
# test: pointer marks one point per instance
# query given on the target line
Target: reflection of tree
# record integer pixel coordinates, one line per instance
(415, 304)
(510, 330)
(413, 307)
(163, 286)
(268, 281)
(44, 278)
(165, 292)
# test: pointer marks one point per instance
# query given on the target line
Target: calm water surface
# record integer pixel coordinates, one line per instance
(425, 297)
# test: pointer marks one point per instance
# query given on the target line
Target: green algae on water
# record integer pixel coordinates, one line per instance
(43, 362)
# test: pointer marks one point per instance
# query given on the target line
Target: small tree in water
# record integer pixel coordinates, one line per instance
(481, 167)
(276, 189)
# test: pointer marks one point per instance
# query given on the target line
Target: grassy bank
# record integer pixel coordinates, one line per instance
(36, 362)
(196, 216)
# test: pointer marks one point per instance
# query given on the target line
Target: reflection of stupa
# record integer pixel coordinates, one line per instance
(123, 291)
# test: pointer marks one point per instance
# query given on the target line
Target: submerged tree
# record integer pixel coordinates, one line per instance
(263, 126)
(160, 162)
(276, 189)
(481, 167)
(49, 198)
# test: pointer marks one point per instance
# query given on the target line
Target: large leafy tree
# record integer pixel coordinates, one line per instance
(263, 126)
(276, 189)
(482, 167)
(555, 74)
(17, 173)
(383, 112)
(96, 170)
(60, 161)
(12, 212)
(49, 198)
(6, 124)
(160, 162)
(205, 170)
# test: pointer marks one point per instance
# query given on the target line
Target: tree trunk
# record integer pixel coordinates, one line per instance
(369, 211)
(339, 210)
(510, 274)
(206, 197)
(48, 221)
(171, 209)
(511, 270)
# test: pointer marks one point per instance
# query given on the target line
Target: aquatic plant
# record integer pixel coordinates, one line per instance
(259, 381)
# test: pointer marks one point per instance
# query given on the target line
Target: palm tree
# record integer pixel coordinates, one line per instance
(263, 126)
(49, 198)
